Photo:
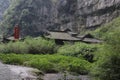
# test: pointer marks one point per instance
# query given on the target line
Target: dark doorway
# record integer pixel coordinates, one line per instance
(59, 42)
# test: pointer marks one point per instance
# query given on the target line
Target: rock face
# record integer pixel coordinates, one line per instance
(4, 4)
(87, 14)
(35, 16)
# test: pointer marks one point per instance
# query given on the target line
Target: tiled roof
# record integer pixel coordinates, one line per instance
(88, 38)
(91, 40)
(61, 36)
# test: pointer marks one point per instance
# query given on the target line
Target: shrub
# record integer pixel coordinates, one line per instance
(40, 45)
(30, 45)
(107, 29)
(12, 59)
(80, 50)
(17, 47)
(108, 65)
(42, 64)
(81, 66)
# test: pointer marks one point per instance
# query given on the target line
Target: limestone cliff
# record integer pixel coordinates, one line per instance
(4, 4)
(35, 16)
(87, 14)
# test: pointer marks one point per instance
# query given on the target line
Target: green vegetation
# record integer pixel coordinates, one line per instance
(102, 61)
(107, 66)
(110, 28)
(80, 50)
(29, 45)
(48, 63)
(108, 63)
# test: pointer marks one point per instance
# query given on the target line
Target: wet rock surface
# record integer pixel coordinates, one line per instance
(23, 73)
(60, 76)
(12, 72)
(5, 73)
